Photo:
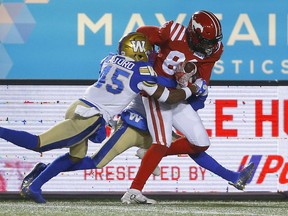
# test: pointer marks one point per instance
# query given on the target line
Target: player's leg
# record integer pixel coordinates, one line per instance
(188, 122)
(60, 164)
(84, 126)
(63, 134)
(199, 136)
(183, 146)
(148, 164)
(123, 138)
(20, 138)
(72, 130)
(156, 113)
(237, 179)
(81, 129)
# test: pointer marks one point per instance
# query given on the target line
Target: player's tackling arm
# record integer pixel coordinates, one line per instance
(163, 94)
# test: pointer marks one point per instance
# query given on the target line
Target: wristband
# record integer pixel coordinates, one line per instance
(188, 92)
(164, 96)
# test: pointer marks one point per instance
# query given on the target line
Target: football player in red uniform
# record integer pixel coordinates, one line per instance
(200, 43)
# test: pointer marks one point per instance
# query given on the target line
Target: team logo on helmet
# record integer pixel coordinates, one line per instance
(138, 46)
(196, 25)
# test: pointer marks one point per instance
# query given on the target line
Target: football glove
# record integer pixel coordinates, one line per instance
(197, 102)
(100, 134)
(185, 72)
(201, 87)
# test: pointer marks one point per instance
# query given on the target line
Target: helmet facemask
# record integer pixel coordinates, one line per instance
(206, 46)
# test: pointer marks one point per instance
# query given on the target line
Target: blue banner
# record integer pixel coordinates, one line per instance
(67, 39)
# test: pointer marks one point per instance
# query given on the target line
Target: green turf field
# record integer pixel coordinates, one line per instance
(164, 208)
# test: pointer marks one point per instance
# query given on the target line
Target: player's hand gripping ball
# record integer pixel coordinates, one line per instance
(185, 73)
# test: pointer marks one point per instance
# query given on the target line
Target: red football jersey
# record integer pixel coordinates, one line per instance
(173, 49)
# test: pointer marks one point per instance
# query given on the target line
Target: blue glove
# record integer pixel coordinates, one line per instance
(197, 102)
(100, 134)
(201, 86)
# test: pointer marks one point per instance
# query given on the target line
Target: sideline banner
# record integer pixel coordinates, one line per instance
(250, 124)
(42, 39)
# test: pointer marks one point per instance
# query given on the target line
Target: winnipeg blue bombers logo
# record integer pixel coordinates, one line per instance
(134, 119)
(138, 46)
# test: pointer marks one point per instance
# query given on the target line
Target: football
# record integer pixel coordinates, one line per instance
(190, 67)
(186, 73)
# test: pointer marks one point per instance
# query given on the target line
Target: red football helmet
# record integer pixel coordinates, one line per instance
(204, 32)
